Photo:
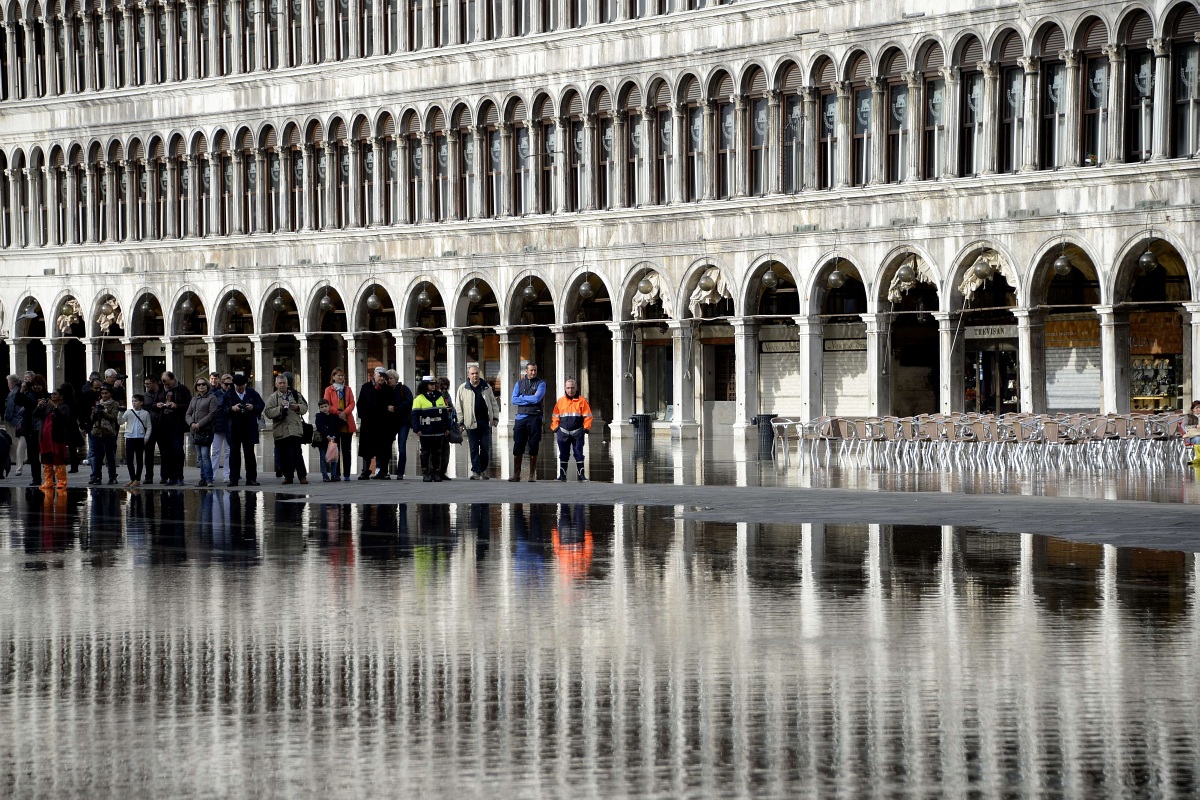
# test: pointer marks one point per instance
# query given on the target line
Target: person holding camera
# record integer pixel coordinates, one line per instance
(33, 392)
(287, 407)
(243, 407)
(171, 427)
(54, 422)
(102, 436)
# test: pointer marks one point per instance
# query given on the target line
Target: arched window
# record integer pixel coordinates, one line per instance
(80, 52)
(1139, 92)
(1010, 131)
(391, 27)
(297, 181)
(38, 31)
(416, 169)
(971, 111)
(18, 58)
(98, 211)
(827, 135)
(38, 201)
(273, 202)
(604, 148)
(544, 114)
(391, 170)
(726, 138)
(5, 201)
(694, 141)
(340, 152)
(791, 106)
(441, 168)
(225, 38)
(662, 143)
(156, 180)
(1093, 90)
(492, 163)
(60, 54)
(58, 190)
(1185, 89)
(896, 127)
(99, 50)
(276, 32)
(204, 166)
(934, 113)
(140, 43)
(320, 177)
(222, 179)
(120, 181)
(183, 181)
(207, 31)
(573, 116)
(118, 56)
(416, 24)
(23, 204)
(181, 41)
(760, 133)
(161, 43)
(468, 174)
(366, 29)
(466, 21)
(363, 178)
(341, 11)
(140, 204)
(1052, 132)
(635, 149)
(522, 161)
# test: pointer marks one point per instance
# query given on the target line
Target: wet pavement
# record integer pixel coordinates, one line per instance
(189, 643)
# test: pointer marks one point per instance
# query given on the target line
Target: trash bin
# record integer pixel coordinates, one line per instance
(641, 426)
(766, 435)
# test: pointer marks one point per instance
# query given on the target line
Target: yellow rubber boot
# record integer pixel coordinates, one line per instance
(60, 470)
(1196, 460)
(47, 478)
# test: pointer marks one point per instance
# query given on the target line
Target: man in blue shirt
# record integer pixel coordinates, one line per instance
(527, 396)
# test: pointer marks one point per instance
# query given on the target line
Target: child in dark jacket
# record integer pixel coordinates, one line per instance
(328, 425)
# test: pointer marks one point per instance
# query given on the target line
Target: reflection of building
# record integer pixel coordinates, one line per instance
(974, 209)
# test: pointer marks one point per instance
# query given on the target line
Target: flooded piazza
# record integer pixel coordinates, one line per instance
(180, 643)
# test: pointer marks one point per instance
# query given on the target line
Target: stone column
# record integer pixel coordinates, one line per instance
(428, 183)
(683, 365)
(1071, 139)
(172, 226)
(172, 44)
(133, 364)
(237, 22)
(93, 349)
(132, 201)
(89, 54)
(810, 331)
(356, 361)
(50, 193)
(354, 215)
(454, 171)
(1162, 96)
(990, 112)
(286, 159)
(1114, 360)
(193, 42)
(50, 46)
(237, 190)
(260, 188)
(1031, 359)
(741, 145)
(879, 363)
(310, 377)
(193, 209)
(915, 104)
(264, 360)
(1115, 148)
(878, 173)
(378, 187)
(214, 354)
(1032, 128)
(708, 140)
(645, 174)
(480, 167)
(406, 355)
(745, 349)
(950, 362)
(845, 142)
(566, 356)
(333, 169)
(953, 110)
(678, 151)
(622, 377)
(774, 176)
(71, 211)
(456, 357)
(90, 233)
(403, 174)
(53, 375)
(587, 169)
(809, 136)
(307, 26)
(1191, 346)
(307, 195)
(215, 22)
(510, 367)
(563, 162)
(12, 179)
(430, 33)
(31, 60)
(110, 191)
(171, 356)
(620, 158)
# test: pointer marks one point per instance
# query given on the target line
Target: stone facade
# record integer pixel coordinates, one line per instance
(777, 207)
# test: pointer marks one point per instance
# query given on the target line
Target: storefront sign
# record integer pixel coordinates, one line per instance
(1072, 333)
(779, 347)
(990, 332)
(195, 349)
(845, 345)
(1153, 333)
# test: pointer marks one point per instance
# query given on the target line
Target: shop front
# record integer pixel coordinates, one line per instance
(991, 374)
(1156, 361)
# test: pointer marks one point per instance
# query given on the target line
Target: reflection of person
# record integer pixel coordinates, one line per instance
(478, 413)
(527, 396)
(572, 544)
(572, 420)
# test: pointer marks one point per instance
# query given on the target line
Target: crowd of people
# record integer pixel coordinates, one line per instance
(53, 431)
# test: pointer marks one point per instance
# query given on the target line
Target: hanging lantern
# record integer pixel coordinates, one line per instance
(769, 279)
(231, 305)
(1147, 262)
(326, 303)
(586, 291)
(645, 286)
(474, 295)
(373, 302)
(706, 284)
(1062, 266)
(106, 308)
(836, 279)
(277, 303)
(529, 293)
(145, 306)
(906, 274)
(30, 311)
(424, 300)
(186, 307)
(983, 270)
(67, 310)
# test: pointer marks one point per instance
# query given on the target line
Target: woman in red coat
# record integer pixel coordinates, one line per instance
(341, 405)
(54, 433)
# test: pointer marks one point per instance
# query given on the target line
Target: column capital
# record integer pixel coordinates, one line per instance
(353, 338)
(1114, 52)
(1029, 317)
(1070, 58)
(1160, 46)
(990, 69)
(951, 73)
(774, 97)
(1193, 309)
(743, 326)
(257, 338)
(1031, 64)
(876, 84)
(620, 330)
(843, 88)
(913, 79)
(807, 324)
(1107, 313)
(681, 327)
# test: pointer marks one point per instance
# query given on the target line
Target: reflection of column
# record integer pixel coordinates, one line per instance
(213, 356)
(264, 362)
(879, 361)
(622, 387)
(745, 349)
(566, 355)
(950, 362)
(683, 347)
(1162, 96)
(510, 356)
(406, 355)
(1114, 360)
(356, 361)
(1031, 359)
(812, 352)
(1191, 351)
(456, 357)
(133, 364)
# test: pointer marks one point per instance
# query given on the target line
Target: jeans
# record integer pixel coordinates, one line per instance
(527, 432)
(204, 460)
(220, 454)
(479, 445)
(104, 448)
(134, 450)
(402, 449)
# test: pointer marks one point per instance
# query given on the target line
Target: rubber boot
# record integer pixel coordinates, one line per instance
(562, 471)
(60, 470)
(532, 469)
(47, 478)
(1196, 450)
(582, 477)
(516, 470)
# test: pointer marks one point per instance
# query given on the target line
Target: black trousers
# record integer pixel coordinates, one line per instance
(134, 450)
(151, 443)
(432, 449)
(290, 458)
(170, 445)
(236, 449)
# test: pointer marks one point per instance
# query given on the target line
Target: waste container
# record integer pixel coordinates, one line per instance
(766, 435)
(641, 425)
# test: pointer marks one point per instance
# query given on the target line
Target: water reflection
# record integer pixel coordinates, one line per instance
(257, 645)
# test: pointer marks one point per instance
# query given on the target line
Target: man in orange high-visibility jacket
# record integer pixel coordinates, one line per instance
(572, 420)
